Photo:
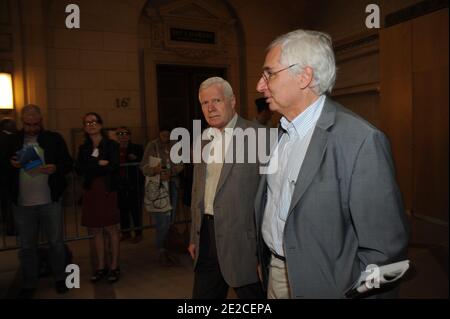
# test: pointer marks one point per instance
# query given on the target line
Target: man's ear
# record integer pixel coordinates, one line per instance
(233, 102)
(305, 78)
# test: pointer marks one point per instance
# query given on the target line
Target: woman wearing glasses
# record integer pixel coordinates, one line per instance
(98, 163)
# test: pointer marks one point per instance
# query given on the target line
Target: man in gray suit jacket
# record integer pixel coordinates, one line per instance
(223, 236)
(333, 206)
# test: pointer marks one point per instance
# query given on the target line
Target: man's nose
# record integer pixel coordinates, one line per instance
(261, 86)
(211, 107)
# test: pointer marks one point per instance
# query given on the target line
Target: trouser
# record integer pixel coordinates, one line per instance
(130, 204)
(7, 218)
(173, 191)
(208, 280)
(28, 219)
(278, 287)
(162, 224)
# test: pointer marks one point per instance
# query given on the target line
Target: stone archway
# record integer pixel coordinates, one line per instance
(192, 33)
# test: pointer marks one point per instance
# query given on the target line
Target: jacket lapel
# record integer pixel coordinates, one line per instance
(226, 168)
(315, 152)
(202, 178)
(260, 201)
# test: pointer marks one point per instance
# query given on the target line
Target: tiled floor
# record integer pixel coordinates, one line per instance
(143, 277)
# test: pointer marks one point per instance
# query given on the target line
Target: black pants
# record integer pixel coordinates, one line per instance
(130, 204)
(208, 280)
(7, 217)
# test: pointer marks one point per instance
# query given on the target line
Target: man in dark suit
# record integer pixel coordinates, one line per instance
(131, 185)
(333, 206)
(223, 242)
(7, 130)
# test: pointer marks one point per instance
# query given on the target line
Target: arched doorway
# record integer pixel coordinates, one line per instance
(182, 42)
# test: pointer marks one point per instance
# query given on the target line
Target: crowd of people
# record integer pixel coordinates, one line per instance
(307, 230)
(113, 187)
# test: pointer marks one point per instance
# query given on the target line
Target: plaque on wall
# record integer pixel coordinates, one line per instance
(196, 36)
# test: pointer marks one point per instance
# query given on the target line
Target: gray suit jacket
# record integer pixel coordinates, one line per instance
(233, 216)
(346, 211)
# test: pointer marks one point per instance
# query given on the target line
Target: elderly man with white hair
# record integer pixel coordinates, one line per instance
(222, 241)
(333, 207)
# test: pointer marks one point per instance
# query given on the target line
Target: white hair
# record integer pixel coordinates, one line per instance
(226, 87)
(309, 49)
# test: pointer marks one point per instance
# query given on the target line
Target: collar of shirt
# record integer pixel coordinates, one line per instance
(304, 121)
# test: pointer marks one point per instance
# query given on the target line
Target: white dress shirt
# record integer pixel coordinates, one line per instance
(214, 168)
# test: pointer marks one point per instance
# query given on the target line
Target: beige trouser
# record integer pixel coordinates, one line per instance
(278, 287)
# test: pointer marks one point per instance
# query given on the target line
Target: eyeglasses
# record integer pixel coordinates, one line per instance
(122, 133)
(90, 123)
(268, 75)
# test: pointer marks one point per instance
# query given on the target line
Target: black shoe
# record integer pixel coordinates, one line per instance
(26, 293)
(113, 276)
(61, 287)
(99, 274)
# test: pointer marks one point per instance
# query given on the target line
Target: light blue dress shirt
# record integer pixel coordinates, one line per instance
(292, 148)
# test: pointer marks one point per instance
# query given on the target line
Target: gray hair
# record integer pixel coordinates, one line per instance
(309, 48)
(30, 109)
(226, 87)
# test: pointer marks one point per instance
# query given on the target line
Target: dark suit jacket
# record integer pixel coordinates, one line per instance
(133, 180)
(55, 152)
(346, 211)
(87, 165)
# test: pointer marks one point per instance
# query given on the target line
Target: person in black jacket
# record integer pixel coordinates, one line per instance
(36, 195)
(98, 163)
(7, 131)
(131, 185)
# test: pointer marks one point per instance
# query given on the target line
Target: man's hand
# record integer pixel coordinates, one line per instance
(14, 162)
(156, 170)
(47, 169)
(258, 269)
(191, 249)
(103, 162)
(165, 175)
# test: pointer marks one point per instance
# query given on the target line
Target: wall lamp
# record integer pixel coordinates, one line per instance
(6, 91)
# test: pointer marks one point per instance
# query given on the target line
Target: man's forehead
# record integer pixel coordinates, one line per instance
(31, 118)
(272, 56)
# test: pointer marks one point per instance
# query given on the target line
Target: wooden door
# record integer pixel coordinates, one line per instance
(414, 109)
(177, 88)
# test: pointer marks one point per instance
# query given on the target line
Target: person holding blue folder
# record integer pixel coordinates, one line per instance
(37, 195)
